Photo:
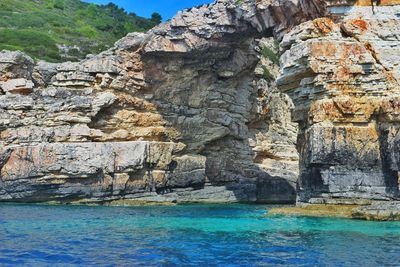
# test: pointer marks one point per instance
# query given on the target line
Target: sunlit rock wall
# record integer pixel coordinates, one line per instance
(343, 76)
(198, 109)
(177, 114)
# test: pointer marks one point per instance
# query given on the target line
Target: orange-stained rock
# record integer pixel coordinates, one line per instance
(323, 25)
(345, 88)
(193, 110)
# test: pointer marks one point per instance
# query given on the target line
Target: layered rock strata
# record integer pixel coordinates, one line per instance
(343, 76)
(198, 110)
(177, 114)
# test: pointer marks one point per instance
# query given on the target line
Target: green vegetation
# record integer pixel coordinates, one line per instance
(267, 75)
(270, 54)
(32, 42)
(38, 27)
(156, 18)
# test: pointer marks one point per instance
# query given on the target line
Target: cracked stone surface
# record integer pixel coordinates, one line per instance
(197, 109)
(343, 77)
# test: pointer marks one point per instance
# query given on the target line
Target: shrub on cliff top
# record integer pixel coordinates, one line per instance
(31, 42)
(46, 23)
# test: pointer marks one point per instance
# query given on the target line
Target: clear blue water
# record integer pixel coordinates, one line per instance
(192, 235)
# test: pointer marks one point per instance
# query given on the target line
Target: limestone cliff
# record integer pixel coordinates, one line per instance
(194, 110)
(343, 74)
(177, 114)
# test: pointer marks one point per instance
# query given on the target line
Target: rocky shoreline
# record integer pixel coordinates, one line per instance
(376, 211)
(236, 101)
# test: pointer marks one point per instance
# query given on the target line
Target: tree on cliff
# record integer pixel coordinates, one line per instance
(156, 18)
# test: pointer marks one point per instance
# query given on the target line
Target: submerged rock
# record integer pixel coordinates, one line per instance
(380, 211)
(373, 211)
(316, 210)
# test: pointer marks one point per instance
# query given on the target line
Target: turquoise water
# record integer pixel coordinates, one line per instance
(188, 235)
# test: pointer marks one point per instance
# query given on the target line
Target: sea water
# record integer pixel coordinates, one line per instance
(189, 235)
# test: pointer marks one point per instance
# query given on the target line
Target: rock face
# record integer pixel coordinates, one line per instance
(379, 211)
(177, 114)
(344, 79)
(194, 110)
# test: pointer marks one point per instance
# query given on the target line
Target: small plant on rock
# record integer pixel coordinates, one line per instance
(270, 54)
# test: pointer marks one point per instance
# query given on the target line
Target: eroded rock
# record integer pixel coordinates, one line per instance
(343, 79)
(197, 109)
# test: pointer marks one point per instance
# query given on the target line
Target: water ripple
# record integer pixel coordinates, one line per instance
(195, 235)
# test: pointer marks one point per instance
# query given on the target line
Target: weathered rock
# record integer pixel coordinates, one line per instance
(52, 171)
(375, 211)
(191, 110)
(379, 211)
(17, 86)
(190, 82)
(343, 78)
(15, 65)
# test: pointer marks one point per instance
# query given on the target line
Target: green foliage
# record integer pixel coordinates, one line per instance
(270, 54)
(36, 27)
(267, 75)
(59, 4)
(156, 18)
(87, 31)
(32, 42)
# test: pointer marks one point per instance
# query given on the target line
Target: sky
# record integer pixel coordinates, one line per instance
(144, 8)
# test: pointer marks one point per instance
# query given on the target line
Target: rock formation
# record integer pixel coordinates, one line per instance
(177, 114)
(343, 75)
(194, 110)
